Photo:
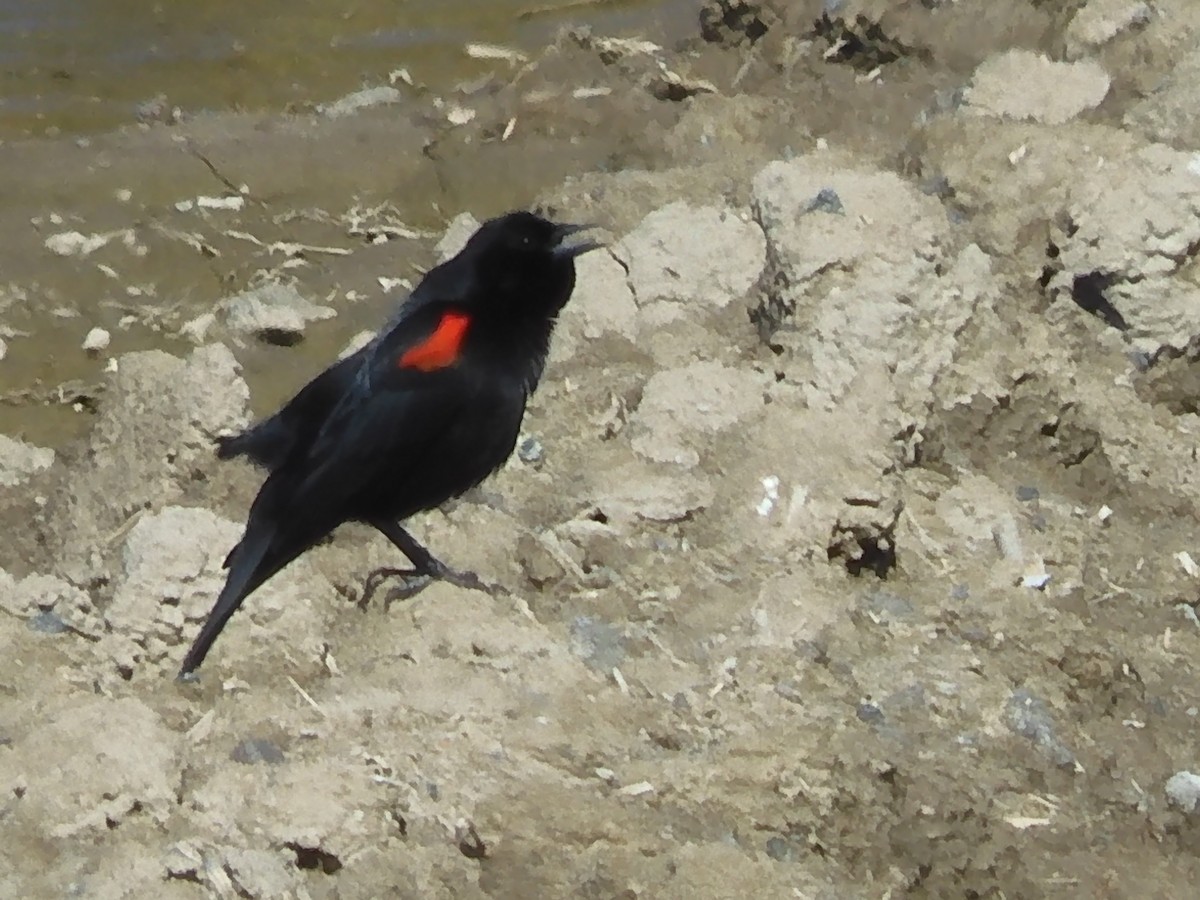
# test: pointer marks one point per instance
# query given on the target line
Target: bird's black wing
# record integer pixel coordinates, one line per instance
(269, 442)
(296, 425)
(409, 397)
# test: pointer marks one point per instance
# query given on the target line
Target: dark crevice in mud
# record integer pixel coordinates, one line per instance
(1088, 293)
(315, 858)
(863, 43)
(876, 553)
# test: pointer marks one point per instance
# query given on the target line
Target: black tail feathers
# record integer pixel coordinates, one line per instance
(228, 446)
(249, 566)
(265, 444)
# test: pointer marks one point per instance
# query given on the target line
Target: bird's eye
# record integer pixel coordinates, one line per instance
(526, 241)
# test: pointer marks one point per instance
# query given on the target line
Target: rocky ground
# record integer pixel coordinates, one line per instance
(853, 545)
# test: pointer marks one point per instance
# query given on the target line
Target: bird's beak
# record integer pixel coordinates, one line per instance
(573, 248)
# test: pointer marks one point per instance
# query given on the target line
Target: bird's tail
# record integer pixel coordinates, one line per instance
(249, 566)
(266, 444)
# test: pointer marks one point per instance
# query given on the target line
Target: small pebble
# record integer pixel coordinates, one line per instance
(97, 339)
(1183, 790)
(47, 622)
(530, 451)
(637, 790)
(1029, 717)
(827, 200)
(257, 750)
(869, 713)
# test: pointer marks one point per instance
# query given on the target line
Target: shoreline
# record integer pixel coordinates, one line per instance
(419, 157)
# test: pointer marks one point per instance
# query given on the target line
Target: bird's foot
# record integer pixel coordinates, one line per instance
(413, 581)
(469, 581)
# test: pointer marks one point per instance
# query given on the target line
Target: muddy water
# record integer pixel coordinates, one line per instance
(73, 66)
(72, 75)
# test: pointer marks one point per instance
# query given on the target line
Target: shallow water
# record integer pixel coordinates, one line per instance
(73, 73)
(80, 66)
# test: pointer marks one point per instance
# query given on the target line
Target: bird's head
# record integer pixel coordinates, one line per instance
(526, 262)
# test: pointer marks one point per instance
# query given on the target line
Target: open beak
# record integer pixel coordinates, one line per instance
(576, 247)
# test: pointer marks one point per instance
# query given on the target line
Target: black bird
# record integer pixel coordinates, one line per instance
(424, 412)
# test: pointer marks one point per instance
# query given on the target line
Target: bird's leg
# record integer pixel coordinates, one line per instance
(425, 568)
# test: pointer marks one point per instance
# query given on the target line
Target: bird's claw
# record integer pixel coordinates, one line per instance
(416, 580)
(471, 582)
(375, 580)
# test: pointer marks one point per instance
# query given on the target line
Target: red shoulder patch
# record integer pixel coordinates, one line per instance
(441, 348)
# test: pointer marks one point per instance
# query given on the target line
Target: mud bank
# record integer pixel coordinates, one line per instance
(858, 559)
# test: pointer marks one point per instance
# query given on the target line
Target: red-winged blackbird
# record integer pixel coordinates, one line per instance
(424, 412)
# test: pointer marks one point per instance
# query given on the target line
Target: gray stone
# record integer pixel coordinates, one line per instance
(1029, 717)
(1183, 790)
(274, 313)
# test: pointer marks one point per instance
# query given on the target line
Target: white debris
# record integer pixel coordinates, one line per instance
(1022, 822)
(390, 284)
(196, 329)
(1036, 580)
(770, 495)
(637, 790)
(74, 243)
(670, 85)
(494, 51)
(97, 339)
(1189, 564)
(1183, 790)
(618, 47)
(235, 202)
(381, 95)
(1104, 514)
(460, 115)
